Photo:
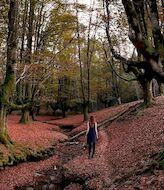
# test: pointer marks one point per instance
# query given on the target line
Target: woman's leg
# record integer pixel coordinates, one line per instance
(90, 146)
(93, 149)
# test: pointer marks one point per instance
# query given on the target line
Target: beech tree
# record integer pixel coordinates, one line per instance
(8, 87)
(86, 38)
(145, 33)
(44, 32)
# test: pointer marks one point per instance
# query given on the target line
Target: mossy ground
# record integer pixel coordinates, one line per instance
(16, 153)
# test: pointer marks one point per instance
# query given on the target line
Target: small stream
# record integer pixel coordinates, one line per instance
(53, 178)
(48, 186)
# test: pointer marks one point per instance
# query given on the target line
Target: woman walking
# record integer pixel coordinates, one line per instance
(92, 135)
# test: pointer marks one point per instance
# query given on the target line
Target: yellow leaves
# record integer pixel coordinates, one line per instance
(68, 69)
(67, 17)
(62, 17)
(80, 6)
(67, 35)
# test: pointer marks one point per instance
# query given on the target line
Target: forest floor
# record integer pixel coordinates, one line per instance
(125, 152)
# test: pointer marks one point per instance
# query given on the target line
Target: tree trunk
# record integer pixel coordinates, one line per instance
(119, 100)
(154, 88)
(8, 87)
(85, 111)
(33, 114)
(24, 23)
(161, 88)
(38, 110)
(63, 113)
(148, 95)
(4, 137)
(25, 118)
(137, 92)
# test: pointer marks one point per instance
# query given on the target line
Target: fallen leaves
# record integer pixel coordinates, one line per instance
(34, 135)
(122, 149)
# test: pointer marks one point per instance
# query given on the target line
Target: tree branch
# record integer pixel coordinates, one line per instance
(157, 35)
(114, 53)
(23, 74)
(19, 107)
(113, 69)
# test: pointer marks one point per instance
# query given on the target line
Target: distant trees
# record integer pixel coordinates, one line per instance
(41, 45)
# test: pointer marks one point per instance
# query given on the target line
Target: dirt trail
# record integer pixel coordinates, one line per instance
(90, 170)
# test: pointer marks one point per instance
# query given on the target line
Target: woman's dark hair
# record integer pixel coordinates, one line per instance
(92, 119)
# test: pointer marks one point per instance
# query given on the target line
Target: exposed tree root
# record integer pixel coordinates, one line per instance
(5, 139)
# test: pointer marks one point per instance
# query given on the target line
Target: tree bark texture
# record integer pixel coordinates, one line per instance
(8, 87)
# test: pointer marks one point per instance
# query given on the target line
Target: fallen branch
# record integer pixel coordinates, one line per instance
(72, 143)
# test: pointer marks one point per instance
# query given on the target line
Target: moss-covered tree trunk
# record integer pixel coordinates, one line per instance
(25, 117)
(148, 94)
(4, 137)
(8, 87)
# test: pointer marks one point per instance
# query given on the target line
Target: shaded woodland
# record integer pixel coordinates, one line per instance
(62, 61)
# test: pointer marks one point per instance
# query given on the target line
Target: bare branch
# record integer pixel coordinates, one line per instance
(114, 53)
(23, 74)
(113, 69)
